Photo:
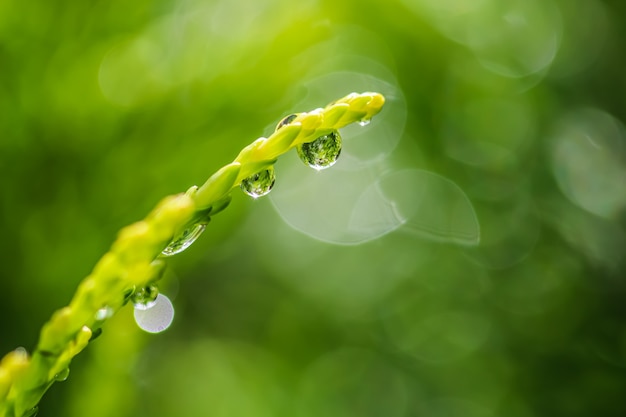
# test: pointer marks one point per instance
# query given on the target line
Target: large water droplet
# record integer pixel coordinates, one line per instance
(323, 152)
(145, 297)
(63, 375)
(184, 239)
(104, 313)
(286, 120)
(259, 184)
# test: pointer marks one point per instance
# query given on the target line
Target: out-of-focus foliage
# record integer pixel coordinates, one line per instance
(509, 111)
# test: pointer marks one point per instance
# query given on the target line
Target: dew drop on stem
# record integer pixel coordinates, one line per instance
(365, 121)
(63, 375)
(323, 152)
(259, 184)
(145, 298)
(184, 239)
(32, 412)
(286, 120)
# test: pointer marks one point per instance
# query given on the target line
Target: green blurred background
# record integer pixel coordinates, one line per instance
(508, 113)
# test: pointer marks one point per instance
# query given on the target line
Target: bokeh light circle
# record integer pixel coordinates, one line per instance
(514, 39)
(589, 161)
(157, 318)
(354, 204)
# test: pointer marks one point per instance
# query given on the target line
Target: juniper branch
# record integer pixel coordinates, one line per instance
(134, 259)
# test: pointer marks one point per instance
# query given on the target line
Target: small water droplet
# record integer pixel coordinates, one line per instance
(365, 121)
(63, 375)
(104, 313)
(259, 184)
(286, 120)
(323, 152)
(145, 297)
(21, 353)
(32, 412)
(184, 239)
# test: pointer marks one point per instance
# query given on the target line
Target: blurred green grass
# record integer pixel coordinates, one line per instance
(105, 107)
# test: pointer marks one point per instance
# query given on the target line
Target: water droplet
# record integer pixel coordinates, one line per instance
(32, 412)
(145, 297)
(104, 313)
(184, 239)
(323, 152)
(286, 120)
(365, 121)
(62, 376)
(21, 353)
(259, 184)
(158, 318)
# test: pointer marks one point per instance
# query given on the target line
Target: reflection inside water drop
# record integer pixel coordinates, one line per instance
(184, 240)
(286, 120)
(157, 318)
(259, 184)
(365, 121)
(145, 297)
(323, 152)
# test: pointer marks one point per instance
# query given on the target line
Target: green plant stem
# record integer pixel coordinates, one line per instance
(134, 259)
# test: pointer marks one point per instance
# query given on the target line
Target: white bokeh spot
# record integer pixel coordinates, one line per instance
(158, 318)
